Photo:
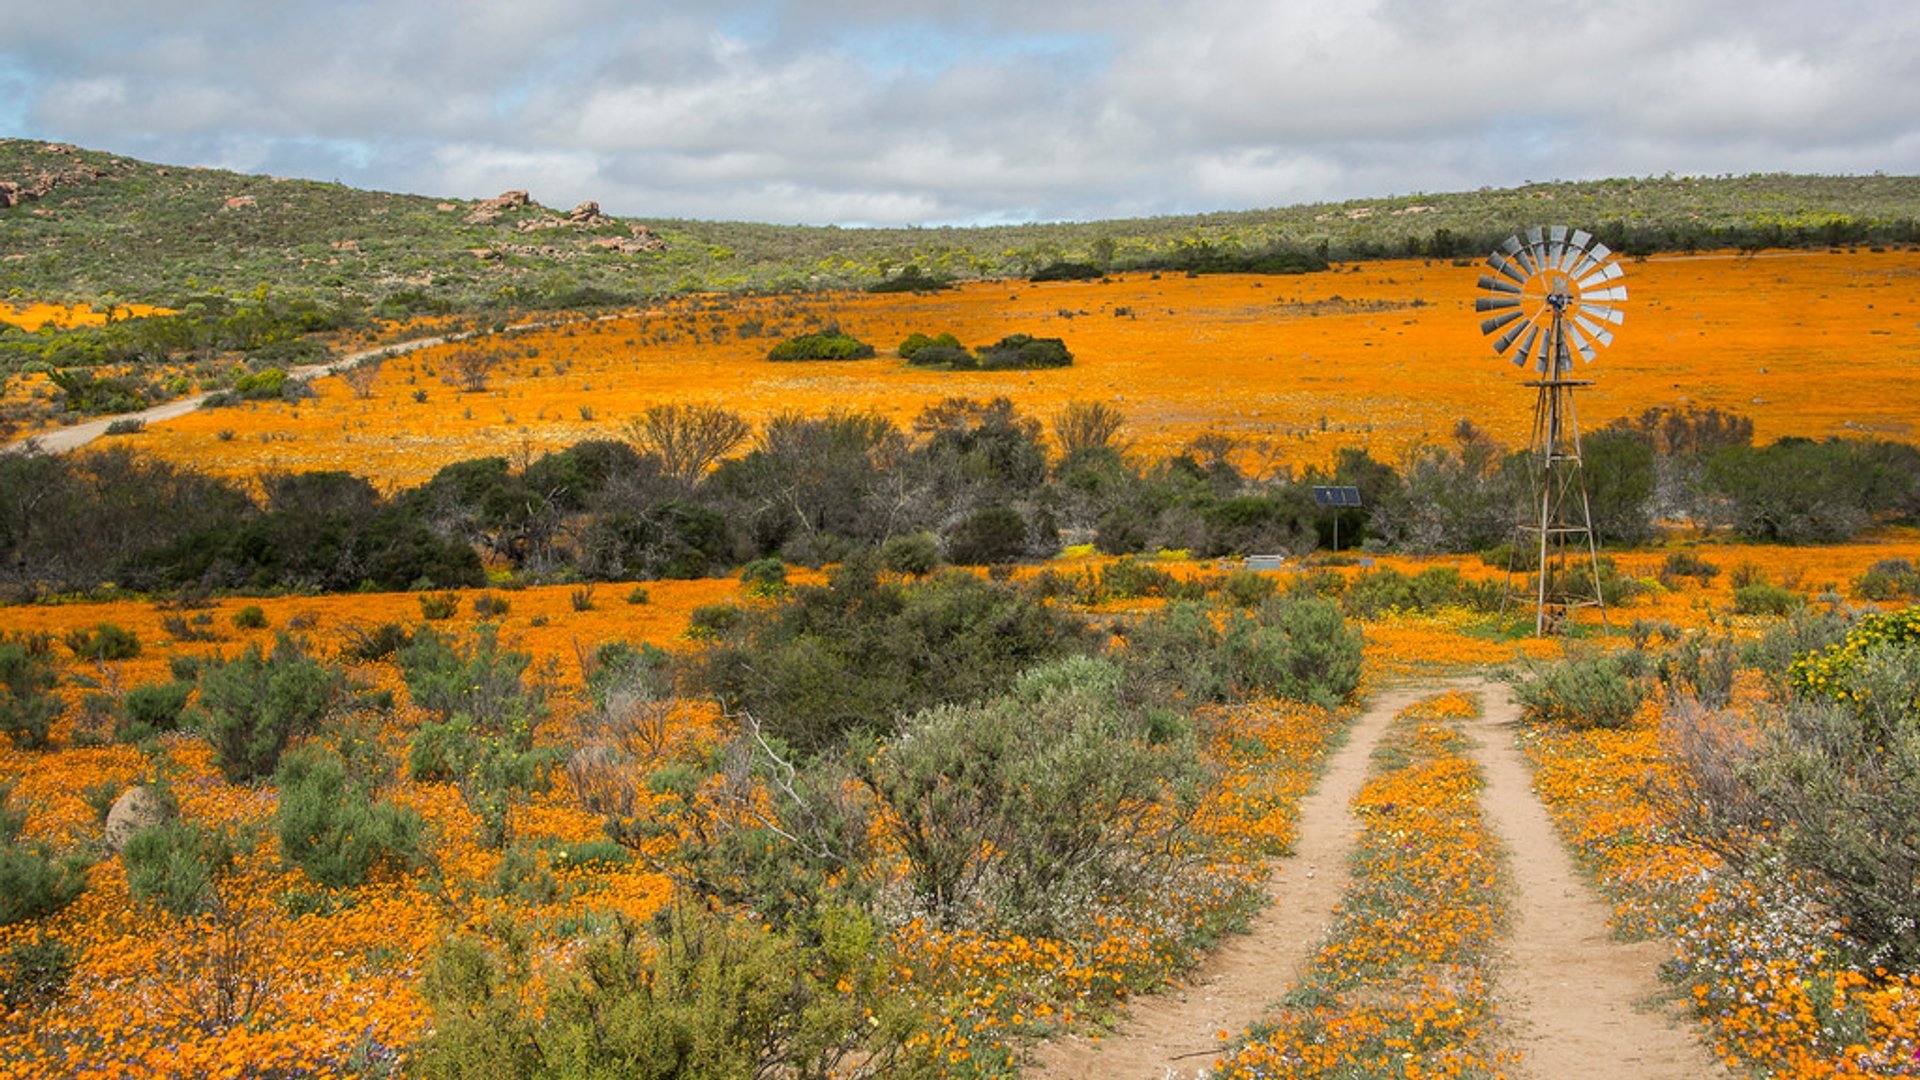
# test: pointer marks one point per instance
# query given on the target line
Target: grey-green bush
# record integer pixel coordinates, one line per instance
(1582, 692)
(173, 865)
(27, 704)
(256, 704)
(333, 829)
(1294, 646)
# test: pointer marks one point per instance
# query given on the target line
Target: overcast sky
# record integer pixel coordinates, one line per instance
(899, 112)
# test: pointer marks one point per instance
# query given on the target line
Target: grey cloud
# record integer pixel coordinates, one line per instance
(863, 111)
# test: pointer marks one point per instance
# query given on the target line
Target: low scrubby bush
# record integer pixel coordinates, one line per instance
(1889, 579)
(173, 865)
(1761, 598)
(33, 880)
(146, 711)
(1598, 691)
(714, 996)
(830, 344)
(1293, 646)
(27, 703)
(859, 651)
(33, 972)
(333, 829)
(103, 641)
(256, 704)
(1026, 812)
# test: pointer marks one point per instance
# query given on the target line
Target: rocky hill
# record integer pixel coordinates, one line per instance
(79, 224)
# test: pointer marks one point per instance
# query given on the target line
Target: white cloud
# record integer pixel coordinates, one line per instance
(938, 110)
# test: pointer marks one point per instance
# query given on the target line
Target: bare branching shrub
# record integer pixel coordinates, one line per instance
(1826, 791)
(469, 368)
(687, 439)
(361, 377)
(1087, 425)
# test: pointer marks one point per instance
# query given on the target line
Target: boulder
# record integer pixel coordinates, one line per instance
(136, 808)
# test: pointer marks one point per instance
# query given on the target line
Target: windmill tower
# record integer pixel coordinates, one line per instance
(1556, 294)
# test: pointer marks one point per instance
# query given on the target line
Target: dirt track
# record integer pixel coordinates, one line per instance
(1574, 1002)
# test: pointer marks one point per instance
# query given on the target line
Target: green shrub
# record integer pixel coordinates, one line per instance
(33, 882)
(520, 876)
(1761, 598)
(437, 606)
(638, 595)
(1377, 592)
(715, 997)
(256, 704)
(1248, 589)
(1686, 564)
(365, 646)
(859, 652)
(147, 710)
(764, 577)
(131, 425)
(1065, 270)
(478, 680)
(917, 341)
(1819, 796)
(990, 534)
(265, 384)
(1294, 646)
(912, 279)
(488, 606)
(828, 344)
(1024, 352)
(103, 641)
(1889, 579)
(1582, 692)
(1830, 671)
(250, 617)
(442, 751)
(333, 829)
(174, 864)
(34, 972)
(916, 554)
(711, 621)
(1130, 579)
(1029, 812)
(27, 703)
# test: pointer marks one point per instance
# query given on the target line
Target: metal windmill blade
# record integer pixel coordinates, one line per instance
(1553, 296)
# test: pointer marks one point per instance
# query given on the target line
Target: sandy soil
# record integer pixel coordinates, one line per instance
(1175, 1033)
(1575, 1002)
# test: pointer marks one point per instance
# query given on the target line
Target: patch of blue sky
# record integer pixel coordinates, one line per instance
(929, 46)
(16, 95)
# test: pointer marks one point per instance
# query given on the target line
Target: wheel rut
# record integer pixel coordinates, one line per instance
(1174, 1034)
(1576, 1003)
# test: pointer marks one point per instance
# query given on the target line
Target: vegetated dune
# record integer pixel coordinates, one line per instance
(1380, 355)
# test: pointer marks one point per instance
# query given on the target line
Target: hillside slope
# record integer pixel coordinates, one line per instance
(79, 225)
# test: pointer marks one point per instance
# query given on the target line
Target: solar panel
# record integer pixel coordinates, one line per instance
(1336, 496)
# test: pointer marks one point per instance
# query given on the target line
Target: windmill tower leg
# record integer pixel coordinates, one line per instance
(1563, 530)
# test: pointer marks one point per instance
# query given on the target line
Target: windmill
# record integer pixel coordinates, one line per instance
(1554, 295)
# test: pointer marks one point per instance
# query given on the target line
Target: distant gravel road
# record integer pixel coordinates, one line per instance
(73, 437)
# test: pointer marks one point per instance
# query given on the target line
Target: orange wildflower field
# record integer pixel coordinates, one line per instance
(337, 972)
(286, 977)
(64, 316)
(1380, 355)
